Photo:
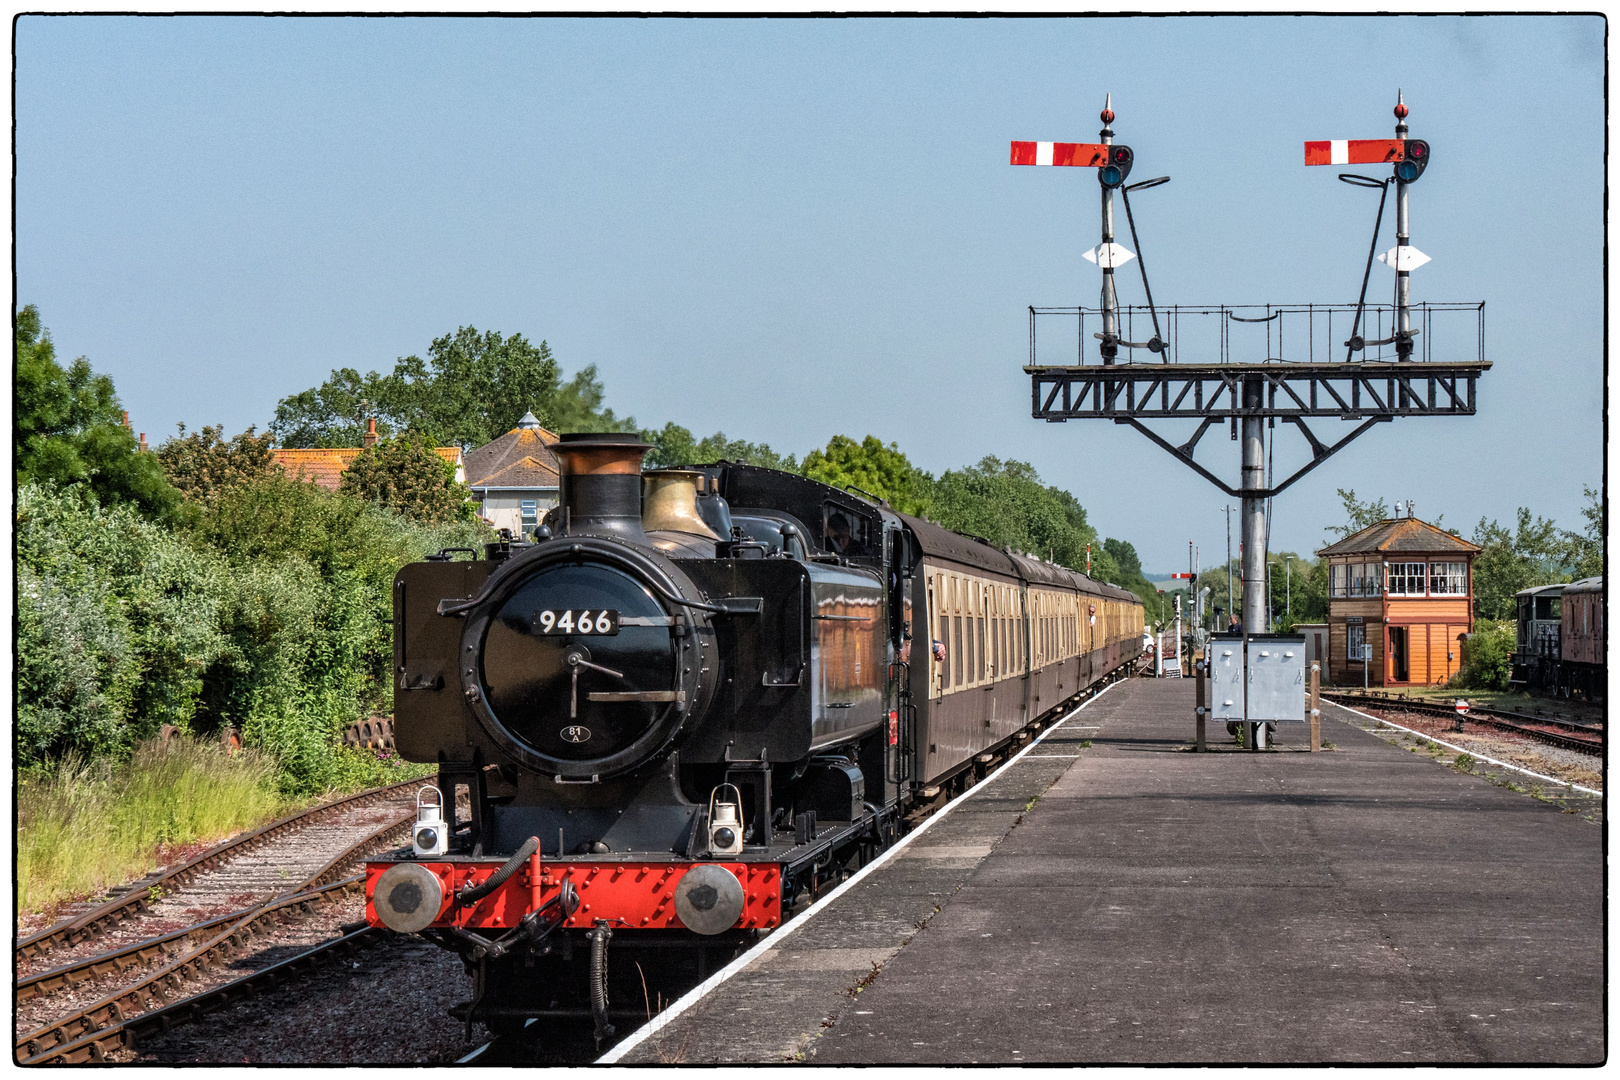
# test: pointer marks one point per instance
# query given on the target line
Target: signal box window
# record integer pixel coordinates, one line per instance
(1448, 579)
(1406, 579)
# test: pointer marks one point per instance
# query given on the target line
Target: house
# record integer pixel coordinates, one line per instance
(514, 478)
(325, 467)
(1400, 599)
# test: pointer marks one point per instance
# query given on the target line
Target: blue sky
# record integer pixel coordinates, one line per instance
(791, 229)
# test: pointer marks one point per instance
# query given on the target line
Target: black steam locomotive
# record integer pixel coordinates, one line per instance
(696, 699)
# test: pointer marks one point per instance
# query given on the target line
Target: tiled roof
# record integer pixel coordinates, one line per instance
(1400, 534)
(325, 467)
(510, 449)
(526, 473)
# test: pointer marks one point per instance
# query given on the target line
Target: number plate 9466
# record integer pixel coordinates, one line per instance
(577, 621)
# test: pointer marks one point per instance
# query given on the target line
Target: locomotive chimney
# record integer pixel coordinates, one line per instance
(601, 483)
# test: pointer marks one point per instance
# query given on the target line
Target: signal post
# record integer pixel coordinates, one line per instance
(1392, 365)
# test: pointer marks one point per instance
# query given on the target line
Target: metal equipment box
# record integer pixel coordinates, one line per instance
(1226, 677)
(1277, 677)
(1273, 671)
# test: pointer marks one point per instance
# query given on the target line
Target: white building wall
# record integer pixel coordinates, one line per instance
(504, 509)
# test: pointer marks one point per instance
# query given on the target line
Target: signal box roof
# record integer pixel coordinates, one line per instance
(1399, 536)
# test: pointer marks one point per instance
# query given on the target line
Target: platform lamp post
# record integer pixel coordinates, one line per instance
(1288, 585)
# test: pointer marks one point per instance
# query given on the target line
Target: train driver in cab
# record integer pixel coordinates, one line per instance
(841, 541)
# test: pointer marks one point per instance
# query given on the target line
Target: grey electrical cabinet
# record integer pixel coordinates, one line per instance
(1225, 677)
(1273, 673)
(1277, 677)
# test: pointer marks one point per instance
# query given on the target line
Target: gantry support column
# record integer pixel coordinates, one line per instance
(1254, 523)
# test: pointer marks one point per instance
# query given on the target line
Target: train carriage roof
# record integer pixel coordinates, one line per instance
(1555, 589)
(942, 543)
(1585, 585)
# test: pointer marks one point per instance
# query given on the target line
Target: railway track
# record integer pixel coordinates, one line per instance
(141, 898)
(180, 930)
(1568, 734)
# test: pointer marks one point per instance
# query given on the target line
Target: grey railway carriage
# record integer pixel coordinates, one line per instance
(696, 699)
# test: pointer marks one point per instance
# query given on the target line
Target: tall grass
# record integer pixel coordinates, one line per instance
(87, 825)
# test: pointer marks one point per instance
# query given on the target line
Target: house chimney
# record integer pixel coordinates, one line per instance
(126, 418)
(369, 439)
(143, 442)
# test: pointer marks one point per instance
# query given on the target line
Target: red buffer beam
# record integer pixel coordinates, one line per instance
(1060, 153)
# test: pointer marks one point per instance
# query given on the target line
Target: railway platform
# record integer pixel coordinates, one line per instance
(1112, 897)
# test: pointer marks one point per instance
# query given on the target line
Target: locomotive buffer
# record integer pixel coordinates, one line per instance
(1237, 370)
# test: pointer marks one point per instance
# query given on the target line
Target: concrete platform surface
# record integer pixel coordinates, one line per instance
(1160, 906)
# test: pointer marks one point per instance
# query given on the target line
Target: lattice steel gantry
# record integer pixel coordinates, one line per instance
(1388, 368)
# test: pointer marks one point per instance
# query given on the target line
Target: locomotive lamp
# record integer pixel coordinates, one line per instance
(725, 823)
(431, 835)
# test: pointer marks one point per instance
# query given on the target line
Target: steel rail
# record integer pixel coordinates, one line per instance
(136, 897)
(1588, 741)
(121, 960)
(126, 1034)
(122, 1005)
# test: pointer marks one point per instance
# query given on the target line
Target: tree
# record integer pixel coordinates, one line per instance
(1359, 514)
(69, 429)
(676, 445)
(883, 471)
(474, 387)
(1530, 554)
(1583, 551)
(404, 474)
(577, 405)
(204, 464)
(1006, 503)
(332, 414)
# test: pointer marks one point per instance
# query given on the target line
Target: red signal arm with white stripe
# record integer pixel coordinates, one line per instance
(1355, 152)
(1060, 153)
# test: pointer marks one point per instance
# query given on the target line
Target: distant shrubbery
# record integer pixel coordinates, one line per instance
(1487, 657)
(270, 614)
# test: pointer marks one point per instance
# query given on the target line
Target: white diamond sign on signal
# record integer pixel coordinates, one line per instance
(1109, 255)
(1404, 257)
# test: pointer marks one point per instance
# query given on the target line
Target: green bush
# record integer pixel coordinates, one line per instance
(117, 619)
(271, 614)
(1487, 657)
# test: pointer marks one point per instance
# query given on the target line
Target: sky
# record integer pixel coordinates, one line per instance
(790, 229)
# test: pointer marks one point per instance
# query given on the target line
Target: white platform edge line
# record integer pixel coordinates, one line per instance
(702, 990)
(1470, 753)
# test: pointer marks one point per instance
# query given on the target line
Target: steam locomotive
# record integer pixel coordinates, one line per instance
(699, 697)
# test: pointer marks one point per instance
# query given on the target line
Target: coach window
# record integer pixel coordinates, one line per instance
(956, 650)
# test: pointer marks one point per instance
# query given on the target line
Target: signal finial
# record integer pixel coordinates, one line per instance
(1400, 105)
(1107, 115)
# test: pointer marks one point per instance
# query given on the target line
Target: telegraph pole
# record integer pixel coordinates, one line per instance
(1230, 610)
